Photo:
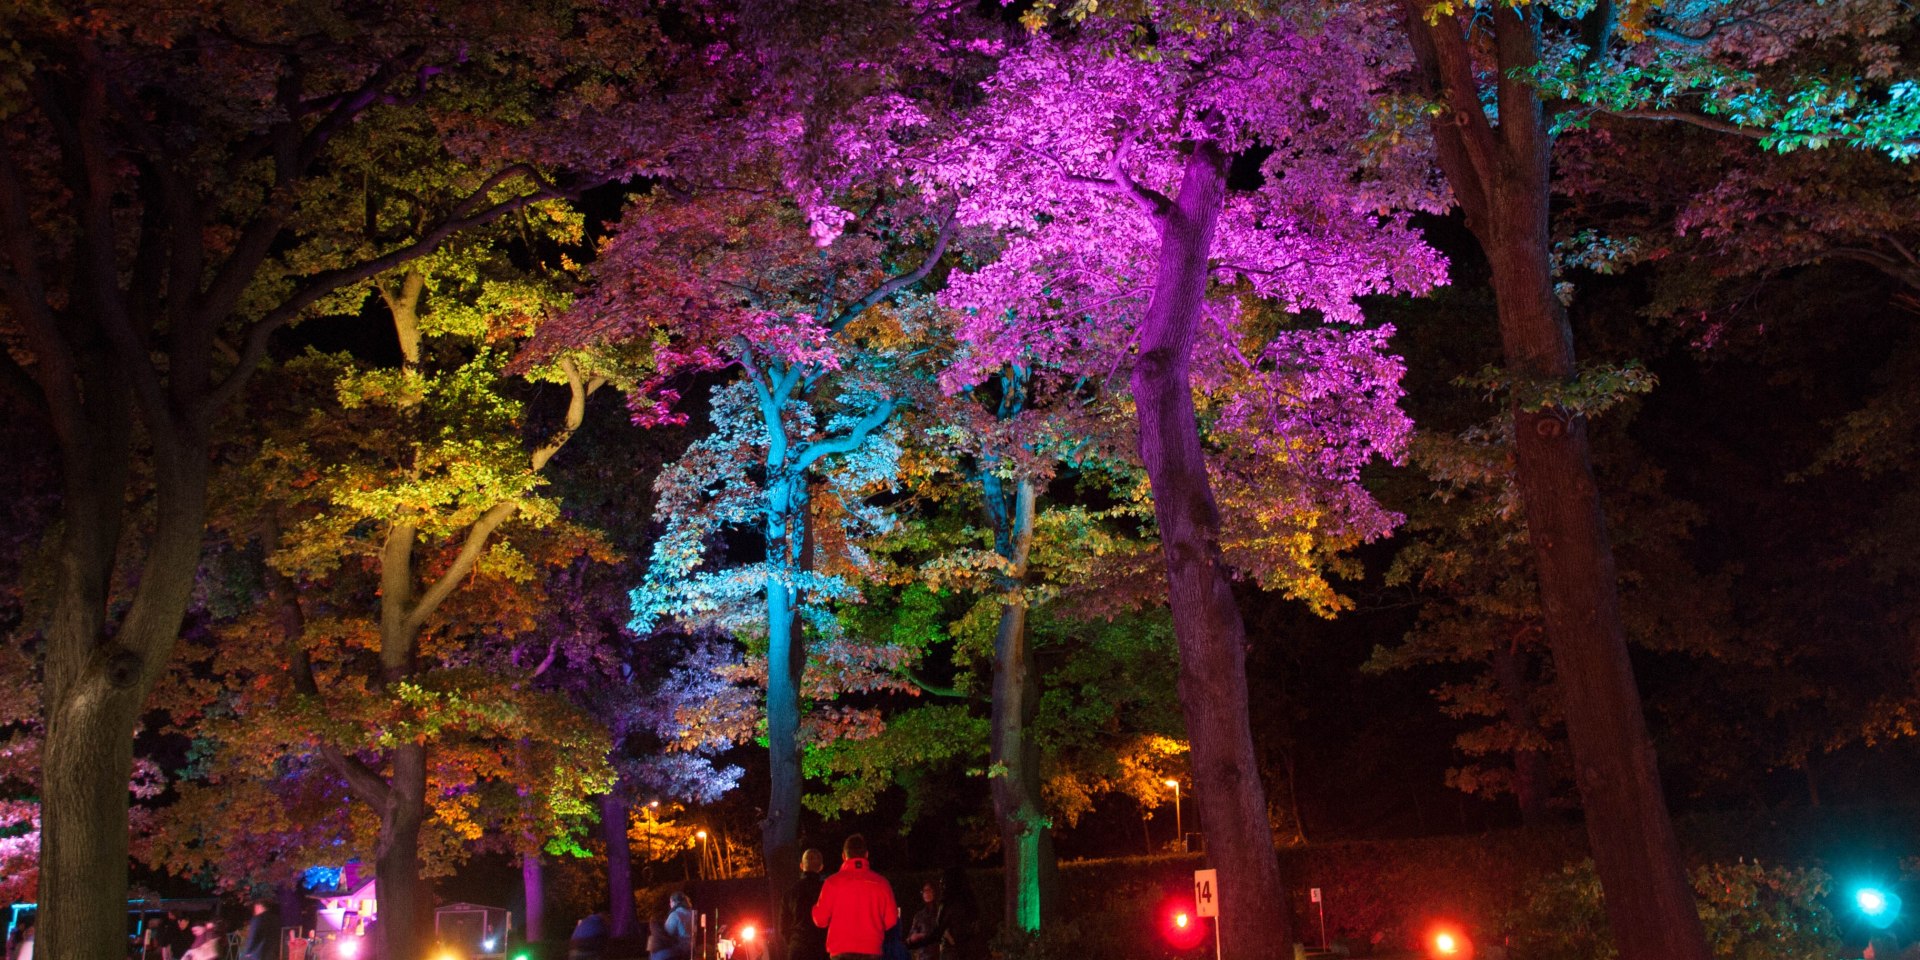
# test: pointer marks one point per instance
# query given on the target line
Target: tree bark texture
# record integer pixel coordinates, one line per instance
(1500, 177)
(533, 883)
(405, 900)
(533, 879)
(1026, 835)
(616, 816)
(98, 674)
(1254, 918)
(787, 536)
(1532, 778)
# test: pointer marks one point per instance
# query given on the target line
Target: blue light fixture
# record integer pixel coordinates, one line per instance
(1879, 907)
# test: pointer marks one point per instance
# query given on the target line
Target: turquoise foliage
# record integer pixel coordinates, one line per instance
(731, 483)
(1798, 113)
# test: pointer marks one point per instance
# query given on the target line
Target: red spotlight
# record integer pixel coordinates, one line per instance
(1183, 930)
(1449, 943)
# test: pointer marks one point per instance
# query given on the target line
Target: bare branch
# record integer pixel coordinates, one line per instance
(1152, 202)
(463, 564)
(470, 213)
(368, 785)
(1702, 121)
(851, 440)
(927, 686)
(579, 388)
(1466, 140)
(26, 294)
(896, 284)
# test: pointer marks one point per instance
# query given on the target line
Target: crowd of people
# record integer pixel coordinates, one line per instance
(178, 937)
(851, 914)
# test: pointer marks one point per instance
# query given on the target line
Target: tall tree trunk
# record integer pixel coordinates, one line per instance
(405, 902)
(98, 677)
(533, 882)
(1026, 837)
(788, 538)
(616, 816)
(532, 869)
(1532, 780)
(1254, 917)
(1500, 177)
(87, 757)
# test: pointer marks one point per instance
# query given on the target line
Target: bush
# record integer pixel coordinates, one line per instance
(1750, 913)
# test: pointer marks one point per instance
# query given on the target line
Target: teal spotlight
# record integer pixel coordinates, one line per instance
(1879, 907)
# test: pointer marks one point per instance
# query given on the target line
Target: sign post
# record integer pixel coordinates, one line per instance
(1320, 905)
(1206, 902)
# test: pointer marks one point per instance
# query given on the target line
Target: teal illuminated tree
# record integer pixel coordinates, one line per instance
(821, 335)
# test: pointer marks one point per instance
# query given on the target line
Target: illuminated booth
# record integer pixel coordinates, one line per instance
(467, 930)
(342, 926)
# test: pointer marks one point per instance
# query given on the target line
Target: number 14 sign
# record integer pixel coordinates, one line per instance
(1206, 893)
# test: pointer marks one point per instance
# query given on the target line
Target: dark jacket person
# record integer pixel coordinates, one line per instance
(804, 940)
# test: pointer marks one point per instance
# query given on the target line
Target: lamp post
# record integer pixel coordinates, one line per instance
(1179, 830)
(702, 837)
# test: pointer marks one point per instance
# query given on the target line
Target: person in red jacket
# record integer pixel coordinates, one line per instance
(856, 906)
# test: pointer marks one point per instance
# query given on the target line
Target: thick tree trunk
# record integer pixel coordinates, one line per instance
(533, 882)
(1500, 176)
(88, 757)
(98, 677)
(786, 661)
(1026, 837)
(616, 815)
(780, 836)
(405, 920)
(1532, 781)
(1254, 917)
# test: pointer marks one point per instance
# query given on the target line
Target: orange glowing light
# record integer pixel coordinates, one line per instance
(1180, 920)
(1446, 943)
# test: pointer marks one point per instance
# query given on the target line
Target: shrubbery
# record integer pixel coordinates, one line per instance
(1751, 912)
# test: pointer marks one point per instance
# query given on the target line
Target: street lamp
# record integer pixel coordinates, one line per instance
(701, 835)
(1179, 830)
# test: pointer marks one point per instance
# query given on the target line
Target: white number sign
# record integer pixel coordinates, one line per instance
(1206, 893)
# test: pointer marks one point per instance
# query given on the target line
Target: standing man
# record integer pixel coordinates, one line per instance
(804, 940)
(856, 906)
(263, 934)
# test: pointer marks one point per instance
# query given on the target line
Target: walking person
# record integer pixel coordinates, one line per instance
(672, 938)
(856, 906)
(206, 942)
(25, 949)
(804, 940)
(927, 933)
(263, 933)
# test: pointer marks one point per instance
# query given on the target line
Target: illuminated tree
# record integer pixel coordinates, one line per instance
(158, 181)
(721, 279)
(1486, 71)
(1106, 162)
